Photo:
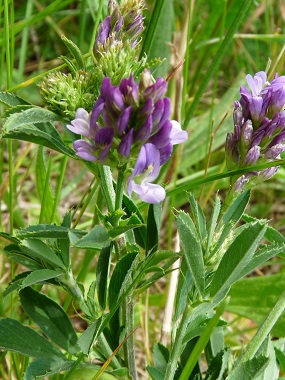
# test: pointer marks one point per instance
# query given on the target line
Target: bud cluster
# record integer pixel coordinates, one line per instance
(259, 129)
(130, 122)
(115, 53)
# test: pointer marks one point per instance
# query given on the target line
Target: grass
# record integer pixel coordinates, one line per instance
(220, 44)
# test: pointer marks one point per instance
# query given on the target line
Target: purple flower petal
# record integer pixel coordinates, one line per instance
(125, 145)
(123, 121)
(177, 135)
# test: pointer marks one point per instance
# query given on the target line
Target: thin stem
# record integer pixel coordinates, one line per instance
(201, 344)
(177, 345)
(59, 186)
(107, 186)
(120, 187)
(129, 346)
(264, 329)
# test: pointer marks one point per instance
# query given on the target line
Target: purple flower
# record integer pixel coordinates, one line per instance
(146, 171)
(259, 129)
(119, 26)
(130, 121)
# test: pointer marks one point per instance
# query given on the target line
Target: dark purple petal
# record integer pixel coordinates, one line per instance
(146, 110)
(85, 150)
(125, 145)
(104, 31)
(162, 138)
(165, 114)
(274, 152)
(103, 141)
(165, 153)
(144, 131)
(252, 155)
(105, 87)
(123, 121)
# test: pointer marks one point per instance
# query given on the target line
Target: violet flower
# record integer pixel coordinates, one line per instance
(120, 25)
(146, 171)
(124, 120)
(259, 129)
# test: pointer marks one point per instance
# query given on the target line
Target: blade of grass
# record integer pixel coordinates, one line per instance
(24, 43)
(153, 24)
(214, 177)
(244, 8)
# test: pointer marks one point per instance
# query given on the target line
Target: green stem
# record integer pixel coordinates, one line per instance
(264, 329)
(201, 344)
(177, 345)
(120, 187)
(129, 346)
(107, 186)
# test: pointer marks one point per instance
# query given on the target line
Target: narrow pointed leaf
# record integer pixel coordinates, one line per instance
(102, 275)
(12, 100)
(38, 250)
(47, 366)
(193, 254)
(237, 257)
(198, 216)
(249, 370)
(96, 238)
(39, 276)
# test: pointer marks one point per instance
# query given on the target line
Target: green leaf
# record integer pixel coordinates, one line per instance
(16, 283)
(38, 250)
(12, 100)
(131, 208)
(39, 276)
(18, 338)
(231, 217)
(35, 125)
(116, 231)
(102, 275)
(198, 216)
(16, 254)
(154, 373)
(30, 116)
(86, 339)
(97, 238)
(120, 273)
(47, 366)
(218, 366)
(162, 38)
(51, 319)
(262, 255)
(44, 188)
(152, 27)
(192, 252)
(212, 224)
(45, 231)
(236, 258)
(75, 51)
(254, 298)
(153, 226)
(249, 370)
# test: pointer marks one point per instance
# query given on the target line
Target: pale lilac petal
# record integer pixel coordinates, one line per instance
(177, 135)
(148, 192)
(79, 127)
(81, 113)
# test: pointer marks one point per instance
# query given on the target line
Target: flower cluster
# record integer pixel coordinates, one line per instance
(130, 122)
(121, 24)
(259, 129)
